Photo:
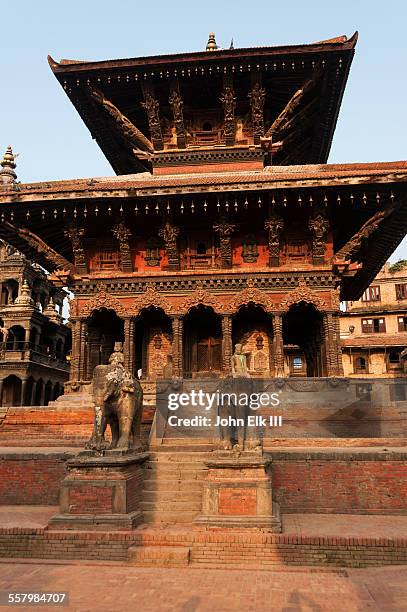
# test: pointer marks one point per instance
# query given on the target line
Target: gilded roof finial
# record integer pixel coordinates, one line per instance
(24, 298)
(7, 174)
(211, 44)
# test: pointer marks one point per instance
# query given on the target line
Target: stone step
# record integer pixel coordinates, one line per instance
(166, 506)
(157, 496)
(179, 457)
(159, 555)
(169, 516)
(173, 485)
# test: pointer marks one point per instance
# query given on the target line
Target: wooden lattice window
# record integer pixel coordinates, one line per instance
(401, 291)
(106, 259)
(373, 326)
(372, 294)
(402, 324)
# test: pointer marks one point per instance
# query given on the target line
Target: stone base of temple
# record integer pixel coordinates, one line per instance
(101, 491)
(237, 492)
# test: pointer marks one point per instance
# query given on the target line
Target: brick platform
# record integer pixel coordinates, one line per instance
(338, 540)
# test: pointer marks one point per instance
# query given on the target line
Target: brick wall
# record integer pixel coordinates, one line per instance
(338, 482)
(31, 478)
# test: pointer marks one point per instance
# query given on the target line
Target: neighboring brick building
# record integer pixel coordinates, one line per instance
(374, 328)
(34, 341)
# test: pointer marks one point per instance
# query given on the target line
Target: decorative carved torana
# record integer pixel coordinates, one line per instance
(250, 295)
(201, 297)
(257, 98)
(177, 105)
(169, 233)
(274, 225)
(152, 108)
(75, 235)
(319, 226)
(228, 100)
(122, 234)
(150, 297)
(302, 294)
(102, 300)
(224, 230)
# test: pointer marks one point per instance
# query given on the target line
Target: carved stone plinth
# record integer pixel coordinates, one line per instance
(237, 492)
(101, 491)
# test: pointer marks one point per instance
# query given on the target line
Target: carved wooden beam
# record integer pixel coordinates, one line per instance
(292, 105)
(122, 234)
(141, 145)
(257, 96)
(75, 235)
(228, 100)
(319, 227)
(33, 243)
(351, 249)
(274, 225)
(153, 116)
(169, 233)
(177, 106)
(224, 230)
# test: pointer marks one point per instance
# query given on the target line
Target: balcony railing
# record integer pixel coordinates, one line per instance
(28, 351)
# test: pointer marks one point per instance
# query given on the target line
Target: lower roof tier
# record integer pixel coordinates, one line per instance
(362, 207)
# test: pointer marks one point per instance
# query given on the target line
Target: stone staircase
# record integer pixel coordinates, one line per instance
(172, 490)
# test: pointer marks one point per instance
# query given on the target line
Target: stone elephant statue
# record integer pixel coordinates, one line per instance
(118, 399)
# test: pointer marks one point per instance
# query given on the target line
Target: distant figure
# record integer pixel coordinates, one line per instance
(239, 363)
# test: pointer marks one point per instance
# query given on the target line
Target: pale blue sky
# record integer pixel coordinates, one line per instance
(37, 118)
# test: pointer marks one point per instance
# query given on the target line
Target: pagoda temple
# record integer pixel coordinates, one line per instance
(224, 224)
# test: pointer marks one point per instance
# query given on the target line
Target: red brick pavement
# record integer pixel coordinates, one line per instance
(110, 588)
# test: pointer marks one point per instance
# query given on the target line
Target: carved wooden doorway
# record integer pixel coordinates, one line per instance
(202, 343)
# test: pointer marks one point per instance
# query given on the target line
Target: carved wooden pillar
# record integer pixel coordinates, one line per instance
(257, 97)
(76, 349)
(122, 234)
(278, 345)
(153, 116)
(169, 233)
(177, 105)
(75, 235)
(23, 390)
(319, 226)
(42, 396)
(129, 329)
(224, 230)
(1, 391)
(274, 225)
(33, 392)
(82, 350)
(332, 344)
(177, 344)
(228, 100)
(227, 348)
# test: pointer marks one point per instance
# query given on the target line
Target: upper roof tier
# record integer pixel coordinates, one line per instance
(243, 107)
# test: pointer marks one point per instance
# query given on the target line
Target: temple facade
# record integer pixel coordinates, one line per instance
(225, 224)
(34, 340)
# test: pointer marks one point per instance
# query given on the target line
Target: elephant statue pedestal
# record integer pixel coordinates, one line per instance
(101, 491)
(237, 492)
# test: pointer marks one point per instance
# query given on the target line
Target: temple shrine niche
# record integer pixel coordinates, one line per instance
(224, 225)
